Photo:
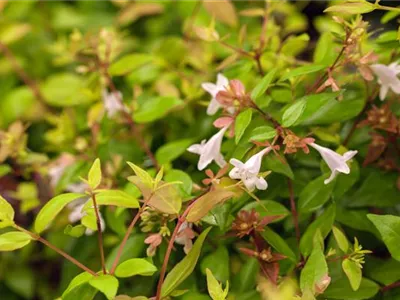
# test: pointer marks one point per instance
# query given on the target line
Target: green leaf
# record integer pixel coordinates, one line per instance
(6, 210)
(262, 133)
(214, 287)
(94, 177)
(314, 270)
(77, 281)
(302, 71)
(171, 151)
(218, 263)
(165, 197)
(353, 273)
(268, 208)
(263, 85)
(323, 53)
(293, 113)
(341, 289)
(278, 243)
(384, 271)
(324, 109)
(314, 195)
(14, 240)
(353, 7)
(52, 209)
(247, 276)
(66, 89)
(206, 202)
(294, 45)
(74, 231)
(115, 198)
(155, 108)
(356, 219)
(369, 195)
(323, 223)
(144, 177)
(106, 284)
(242, 121)
(135, 266)
(185, 267)
(129, 62)
(341, 239)
(278, 165)
(178, 175)
(389, 228)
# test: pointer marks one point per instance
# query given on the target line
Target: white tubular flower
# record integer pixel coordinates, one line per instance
(112, 104)
(248, 171)
(387, 78)
(210, 150)
(213, 89)
(336, 162)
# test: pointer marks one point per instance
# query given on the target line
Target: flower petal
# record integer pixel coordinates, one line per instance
(261, 183)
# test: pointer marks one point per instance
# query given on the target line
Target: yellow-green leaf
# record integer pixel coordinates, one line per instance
(14, 240)
(214, 287)
(6, 210)
(94, 177)
(52, 209)
(135, 266)
(114, 197)
(353, 273)
(353, 7)
(106, 284)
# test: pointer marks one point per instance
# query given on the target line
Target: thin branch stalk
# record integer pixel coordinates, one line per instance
(99, 233)
(56, 249)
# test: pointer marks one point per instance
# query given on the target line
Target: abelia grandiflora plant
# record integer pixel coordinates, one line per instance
(253, 193)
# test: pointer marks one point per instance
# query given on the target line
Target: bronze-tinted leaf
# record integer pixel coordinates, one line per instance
(206, 202)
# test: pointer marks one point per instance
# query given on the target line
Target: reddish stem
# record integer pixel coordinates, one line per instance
(21, 73)
(127, 234)
(294, 211)
(390, 286)
(99, 234)
(181, 219)
(59, 251)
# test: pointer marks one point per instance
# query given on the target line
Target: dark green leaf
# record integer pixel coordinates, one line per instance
(242, 121)
(389, 228)
(314, 195)
(185, 267)
(263, 85)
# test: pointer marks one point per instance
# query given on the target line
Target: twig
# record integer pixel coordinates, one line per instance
(21, 73)
(130, 121)
(99, 233)
(59, 251)
(390, 286)
(265, 115)
(181, 219)
(330, 69)
(127, 234)
(294, 211)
